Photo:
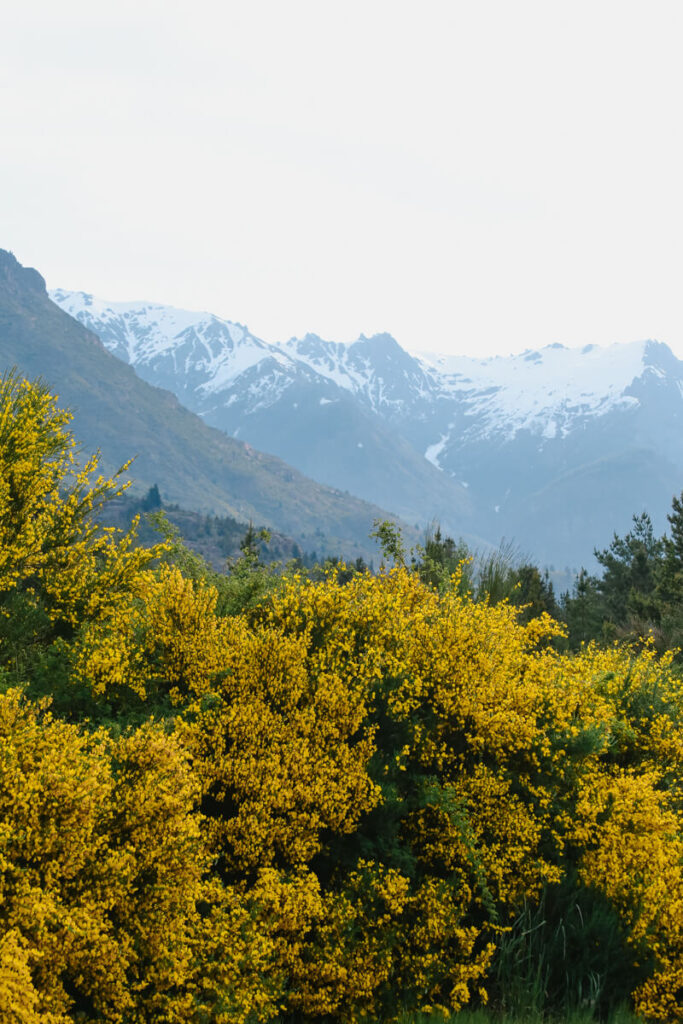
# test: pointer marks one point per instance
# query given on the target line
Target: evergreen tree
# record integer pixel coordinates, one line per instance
(152, 500)
(584, 610)
(632, 565)
(671, 576)
(670, 584)
(441, 557)
(534, 591)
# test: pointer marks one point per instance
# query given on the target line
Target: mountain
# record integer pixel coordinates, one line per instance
(195, 466)
(292, 404)
(554, 449)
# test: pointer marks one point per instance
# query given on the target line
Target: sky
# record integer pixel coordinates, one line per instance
(474, 177)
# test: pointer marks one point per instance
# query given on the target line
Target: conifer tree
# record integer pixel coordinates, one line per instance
(631, 568)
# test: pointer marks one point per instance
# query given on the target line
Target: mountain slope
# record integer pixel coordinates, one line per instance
(562, 446)
(194, 465)
(296, 401)
(554, 449)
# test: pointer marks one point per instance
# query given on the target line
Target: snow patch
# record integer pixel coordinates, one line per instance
(545, 394)
(434, 450)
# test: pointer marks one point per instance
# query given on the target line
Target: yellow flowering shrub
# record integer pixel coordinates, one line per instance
(334, 805)
(282, 752)
(57, 566)
(18, 997)
(499, 741)
(646, 696)
(330, 705)
(100, 867)
(162, 638)
(632, 850)
(443, 961)
(350, 951)
(237, 972)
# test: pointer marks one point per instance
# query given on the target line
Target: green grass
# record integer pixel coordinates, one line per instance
(622, 1015)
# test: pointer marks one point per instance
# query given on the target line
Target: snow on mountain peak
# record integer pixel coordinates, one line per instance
(546, 391)
(142, 333)
(146, 326)
(542, 391)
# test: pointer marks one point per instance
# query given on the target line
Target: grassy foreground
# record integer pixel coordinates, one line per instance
(622, 1015)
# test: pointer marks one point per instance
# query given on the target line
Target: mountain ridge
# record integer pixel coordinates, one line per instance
(482, 444)
(155, 330)
(258, 392)
(195, 466)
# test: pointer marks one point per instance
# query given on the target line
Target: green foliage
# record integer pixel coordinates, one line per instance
(441, 558)
(214, 538)
(245, 583)
(493, 575)
(566, 954)
(639, 593)
(480, 1015)
(533, 593)
(152, 500)
(631, 565)
(583, 611)
(250, 545)
(388, 535)
(176, 550)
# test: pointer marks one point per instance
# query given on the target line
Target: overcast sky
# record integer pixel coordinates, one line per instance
(474, 177)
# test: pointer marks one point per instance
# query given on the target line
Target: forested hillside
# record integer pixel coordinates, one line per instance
(217, 539)
(248, 797)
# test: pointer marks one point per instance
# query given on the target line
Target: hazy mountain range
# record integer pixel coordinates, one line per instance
(194, 465)
(554, 449)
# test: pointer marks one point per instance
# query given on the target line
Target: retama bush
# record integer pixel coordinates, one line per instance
(339, 804)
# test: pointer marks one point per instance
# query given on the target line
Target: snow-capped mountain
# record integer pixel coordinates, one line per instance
(555, 448)
(183, 351)
(321, 405)
(545, 392)
(376, 371)
(122, 416)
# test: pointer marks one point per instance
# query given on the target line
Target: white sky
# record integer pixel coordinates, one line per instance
(474, 177)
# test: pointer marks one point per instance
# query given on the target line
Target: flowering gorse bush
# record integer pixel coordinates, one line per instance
(335, 804)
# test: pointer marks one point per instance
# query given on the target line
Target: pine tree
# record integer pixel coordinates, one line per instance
(534, 592)
(584, 610)
(632, 565)
(670, 582)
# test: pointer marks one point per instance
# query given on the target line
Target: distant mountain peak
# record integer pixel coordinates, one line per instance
(483, 444)
(121, 415)
(658, 354)
(546, 391)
